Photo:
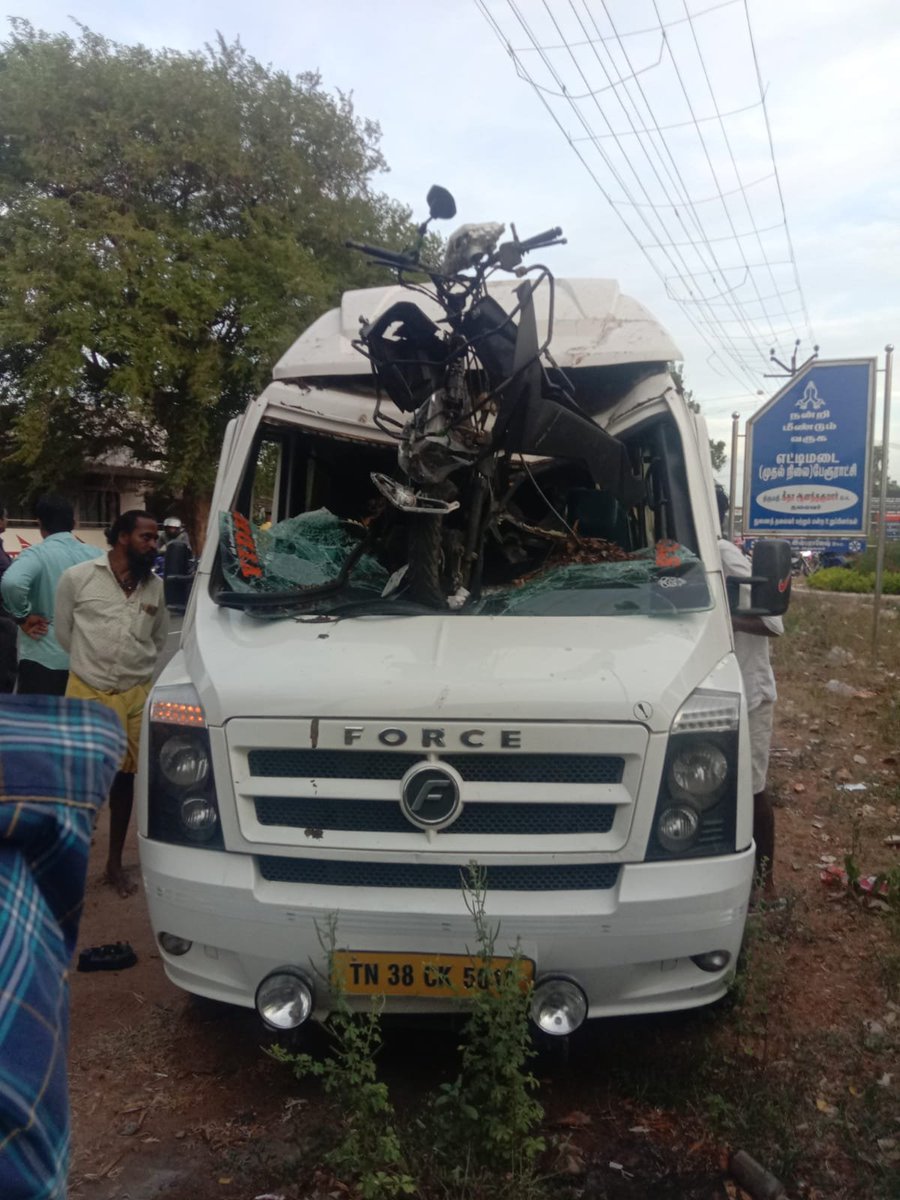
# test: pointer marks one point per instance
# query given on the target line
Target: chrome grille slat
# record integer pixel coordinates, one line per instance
(484, 767)
(377, 816)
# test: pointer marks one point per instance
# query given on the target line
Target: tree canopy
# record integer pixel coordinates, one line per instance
(169, 222)
(718, 455)
(893, 487)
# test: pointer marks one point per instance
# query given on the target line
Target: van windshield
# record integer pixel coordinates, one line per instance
(301, 564)
(312, 530)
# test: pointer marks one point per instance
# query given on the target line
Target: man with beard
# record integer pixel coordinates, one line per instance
(112, 620)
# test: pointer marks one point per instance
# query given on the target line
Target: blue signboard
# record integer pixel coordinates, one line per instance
(806, 464)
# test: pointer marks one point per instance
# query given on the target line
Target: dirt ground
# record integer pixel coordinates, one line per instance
(800, 1066)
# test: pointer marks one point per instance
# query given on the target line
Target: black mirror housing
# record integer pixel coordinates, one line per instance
(770, 581)
(441, 204)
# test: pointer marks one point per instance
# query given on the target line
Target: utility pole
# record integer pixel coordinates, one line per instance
(735, 422)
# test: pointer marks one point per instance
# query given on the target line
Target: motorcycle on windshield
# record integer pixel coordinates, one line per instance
(477, 391)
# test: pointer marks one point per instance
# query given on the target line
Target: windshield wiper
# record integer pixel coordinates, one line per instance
(376, 606)
(383, 606)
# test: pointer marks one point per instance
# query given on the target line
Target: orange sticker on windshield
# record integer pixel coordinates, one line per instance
(245, 547)
(668, 553)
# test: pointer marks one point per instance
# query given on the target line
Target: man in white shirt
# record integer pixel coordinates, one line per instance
(112, 621)
(751, 648)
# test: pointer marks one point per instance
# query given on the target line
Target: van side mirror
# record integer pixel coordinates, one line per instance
(770, 581)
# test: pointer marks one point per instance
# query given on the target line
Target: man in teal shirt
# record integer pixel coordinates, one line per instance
(29, 589)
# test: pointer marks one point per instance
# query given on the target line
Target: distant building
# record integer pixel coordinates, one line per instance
(107, 489)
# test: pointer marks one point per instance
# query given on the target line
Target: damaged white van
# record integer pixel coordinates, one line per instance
(461, 602)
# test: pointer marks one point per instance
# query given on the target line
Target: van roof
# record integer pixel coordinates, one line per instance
(594, 325)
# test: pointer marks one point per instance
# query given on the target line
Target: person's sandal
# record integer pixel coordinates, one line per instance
(115, 956)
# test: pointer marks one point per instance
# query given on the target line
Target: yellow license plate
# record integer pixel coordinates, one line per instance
(381, 973)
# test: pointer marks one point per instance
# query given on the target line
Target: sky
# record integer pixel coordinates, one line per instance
(453, 110)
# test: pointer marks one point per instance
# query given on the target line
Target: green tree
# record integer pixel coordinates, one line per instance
(717, 454)
(169, 223)
(893, 487)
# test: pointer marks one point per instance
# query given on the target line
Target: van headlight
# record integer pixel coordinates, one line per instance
(200, 818)
(677, 827)
(182, 807)
(184, 761)
(696, 809)
(698, 772)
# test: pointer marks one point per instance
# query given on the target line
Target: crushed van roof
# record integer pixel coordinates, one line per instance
(595, 325)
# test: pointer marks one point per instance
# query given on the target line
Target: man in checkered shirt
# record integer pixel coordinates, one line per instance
(57, 761)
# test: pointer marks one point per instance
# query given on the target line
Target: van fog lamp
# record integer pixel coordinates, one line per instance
(284, 999)
(712, 961)
(173, 944)
(558, 1006)
(184, 761)
(677, 827)
(199, 817)
(698, 771)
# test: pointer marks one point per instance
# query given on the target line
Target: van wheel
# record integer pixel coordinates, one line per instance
(425, 561)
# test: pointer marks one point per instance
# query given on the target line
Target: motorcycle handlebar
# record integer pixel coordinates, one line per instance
(540, 239)
(391, 257)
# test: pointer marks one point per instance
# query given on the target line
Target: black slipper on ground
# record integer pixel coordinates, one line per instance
(115, 956)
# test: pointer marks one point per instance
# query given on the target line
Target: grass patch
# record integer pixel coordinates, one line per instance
(844, 579)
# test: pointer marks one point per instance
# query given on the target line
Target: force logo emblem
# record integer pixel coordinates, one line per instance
(431, 796)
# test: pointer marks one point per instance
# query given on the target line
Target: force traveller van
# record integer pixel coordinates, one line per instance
(580, 736)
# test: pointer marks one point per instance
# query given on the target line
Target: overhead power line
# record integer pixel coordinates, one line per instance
(676, 151)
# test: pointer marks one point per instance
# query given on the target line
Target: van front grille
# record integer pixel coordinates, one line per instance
(336, 873)
(476, 768)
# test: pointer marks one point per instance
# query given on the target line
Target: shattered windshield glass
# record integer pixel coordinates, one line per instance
(318, 563)
(660, 579)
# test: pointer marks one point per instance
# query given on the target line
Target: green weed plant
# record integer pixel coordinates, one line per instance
(368, 1152)
(490, 1107)
(475, 1137)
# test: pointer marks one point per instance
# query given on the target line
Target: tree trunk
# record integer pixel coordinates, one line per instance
(195, 514)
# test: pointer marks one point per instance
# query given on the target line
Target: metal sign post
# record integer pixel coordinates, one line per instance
(882, 493)
(732, 499)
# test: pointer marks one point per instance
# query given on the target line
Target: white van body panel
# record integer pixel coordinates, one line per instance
(629, 947)
(594, 325)
(577, 686)
(445, 667)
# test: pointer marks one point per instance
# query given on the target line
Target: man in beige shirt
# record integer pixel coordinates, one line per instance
(110, 617)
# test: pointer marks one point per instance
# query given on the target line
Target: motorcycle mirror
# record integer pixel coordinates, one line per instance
(440, 203)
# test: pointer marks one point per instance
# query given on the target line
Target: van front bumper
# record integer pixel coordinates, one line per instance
(629, 947)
